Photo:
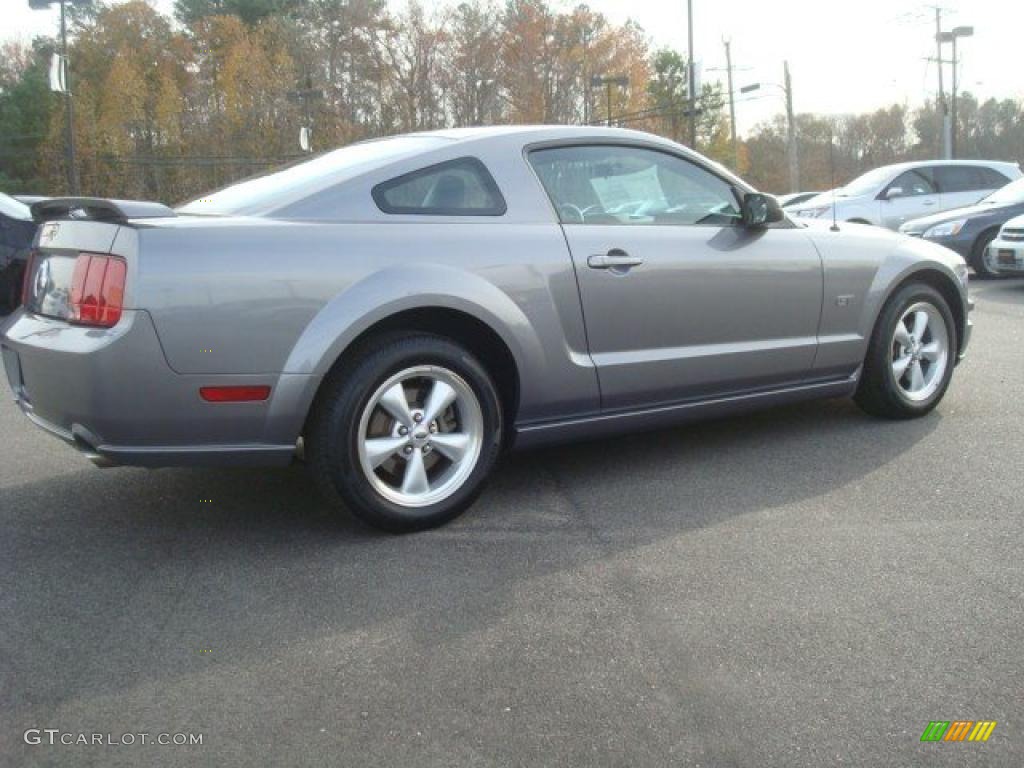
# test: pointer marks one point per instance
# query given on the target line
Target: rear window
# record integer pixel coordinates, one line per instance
(460, 187)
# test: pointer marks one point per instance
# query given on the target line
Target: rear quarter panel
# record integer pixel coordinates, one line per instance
(288, 297)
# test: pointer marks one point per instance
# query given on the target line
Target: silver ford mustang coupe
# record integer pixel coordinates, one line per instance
(401, 311)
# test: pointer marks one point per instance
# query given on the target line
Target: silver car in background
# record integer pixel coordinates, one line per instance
(893, 194)
(403, 310)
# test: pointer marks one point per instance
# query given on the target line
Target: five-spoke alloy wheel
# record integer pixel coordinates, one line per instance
(421, 434)
(910, 357)
(920, 351)
(406, 432)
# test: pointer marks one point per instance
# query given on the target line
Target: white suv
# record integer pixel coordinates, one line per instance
(890, 195)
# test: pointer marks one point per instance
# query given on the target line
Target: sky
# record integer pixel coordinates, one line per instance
(844, 56)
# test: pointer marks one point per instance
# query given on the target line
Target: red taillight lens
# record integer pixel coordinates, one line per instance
(97, 290)
(234, 394)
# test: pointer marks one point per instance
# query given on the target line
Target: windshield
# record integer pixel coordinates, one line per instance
(11, 207)
(866, 183)
(276, 189)
(1011, 193)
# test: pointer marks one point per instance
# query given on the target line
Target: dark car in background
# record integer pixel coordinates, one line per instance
(16, 232)
(970, 230)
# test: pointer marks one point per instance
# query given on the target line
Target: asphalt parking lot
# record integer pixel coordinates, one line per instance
(805, 587)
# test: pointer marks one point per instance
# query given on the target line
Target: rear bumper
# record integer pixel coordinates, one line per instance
(111, 394)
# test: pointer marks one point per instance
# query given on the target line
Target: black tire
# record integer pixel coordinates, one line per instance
(977, 260)
(878, 392)
(332, 433)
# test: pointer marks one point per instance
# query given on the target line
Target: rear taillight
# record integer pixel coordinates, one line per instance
(97, 290)
(26, 280)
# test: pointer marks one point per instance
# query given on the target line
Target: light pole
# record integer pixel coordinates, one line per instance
(69, 109)
(943, 114)
(952, 37)
(598, 80)
(690, 79)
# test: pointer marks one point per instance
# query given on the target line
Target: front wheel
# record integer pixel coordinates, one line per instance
(980, 258)
(910, 356)
(406, 434)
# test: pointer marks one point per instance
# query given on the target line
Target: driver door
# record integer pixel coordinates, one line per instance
(910, 195)
(680, 300)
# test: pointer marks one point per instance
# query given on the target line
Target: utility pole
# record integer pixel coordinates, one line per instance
(732, 107)
(690, 84)
(944, 122)
(794, 165)
(305, 95)
(69, 109)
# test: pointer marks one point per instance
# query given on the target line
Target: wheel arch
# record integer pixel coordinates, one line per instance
(941, 282)
(449, 302)
(459, 326)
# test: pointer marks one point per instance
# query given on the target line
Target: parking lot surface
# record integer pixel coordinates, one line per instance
(807, 586)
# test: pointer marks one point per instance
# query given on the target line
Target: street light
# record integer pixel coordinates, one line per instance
(951, 37)
(69, 127)
(787, 90)
(598, 80)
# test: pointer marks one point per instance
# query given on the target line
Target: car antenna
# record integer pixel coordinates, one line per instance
(832, 179)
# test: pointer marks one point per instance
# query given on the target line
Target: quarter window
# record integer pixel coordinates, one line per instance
(462, 187)
(992, 179)
(608, 184)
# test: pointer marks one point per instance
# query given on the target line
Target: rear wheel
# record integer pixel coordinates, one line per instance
(406, 434)
(980, 257)
(910, 357)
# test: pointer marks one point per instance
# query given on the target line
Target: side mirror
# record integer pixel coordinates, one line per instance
(760, 210)
(893, 192)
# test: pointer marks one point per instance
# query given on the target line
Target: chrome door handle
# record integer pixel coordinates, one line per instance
(614, 259)
(927, 202)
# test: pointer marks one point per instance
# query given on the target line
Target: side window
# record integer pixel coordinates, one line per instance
(462, 187)
(958, 178)
(915, 182)
(992, 179)
(614, 184)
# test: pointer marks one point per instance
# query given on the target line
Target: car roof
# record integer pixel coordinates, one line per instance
(540, 132)
(1001, 165)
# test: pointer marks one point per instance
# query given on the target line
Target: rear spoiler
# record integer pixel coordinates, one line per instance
(98, 209)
